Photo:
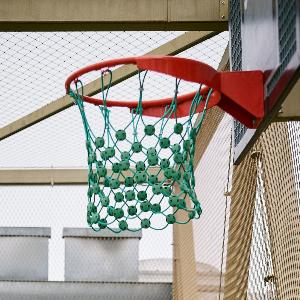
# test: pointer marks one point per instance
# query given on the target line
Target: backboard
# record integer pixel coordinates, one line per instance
(265, 35)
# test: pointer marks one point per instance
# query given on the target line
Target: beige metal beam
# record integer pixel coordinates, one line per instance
(290, 110)
(240, 228)
(173, 47)
(43, 176)
(54, 176)
(184, 262)
(79, 15)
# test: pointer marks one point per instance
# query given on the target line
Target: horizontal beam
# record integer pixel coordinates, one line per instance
(56, 176)
(109, 15)
(173, 47)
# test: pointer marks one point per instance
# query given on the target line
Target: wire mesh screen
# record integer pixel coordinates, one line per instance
(294, 136)
(33, 69)
(64, 206)
(280, 172)
(146, 261)
(264, 229)
(263, 265)
(210, 233)
(261, 274)
(34, 65)
(56, 135)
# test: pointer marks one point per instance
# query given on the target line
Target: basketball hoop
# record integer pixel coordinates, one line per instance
(161, 183)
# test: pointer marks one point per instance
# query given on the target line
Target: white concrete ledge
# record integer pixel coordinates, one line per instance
(103, 234)
(26, 231)
(12, 290)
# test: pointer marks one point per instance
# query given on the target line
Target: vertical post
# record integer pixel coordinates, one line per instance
(184, 262)
(185, 274)
(282, 204)
(240, 228)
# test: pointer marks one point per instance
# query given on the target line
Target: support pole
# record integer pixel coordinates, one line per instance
(240, 228)
(184, 262)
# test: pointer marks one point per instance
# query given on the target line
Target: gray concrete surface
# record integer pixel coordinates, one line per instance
(89, 233)
(102, 256)
(25, 231)
(24, 253)
(78, 291)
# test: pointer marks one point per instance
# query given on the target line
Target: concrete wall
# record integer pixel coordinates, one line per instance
(101, 256)
(24, 253)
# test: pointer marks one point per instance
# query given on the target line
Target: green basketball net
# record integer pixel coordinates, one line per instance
(134, 184)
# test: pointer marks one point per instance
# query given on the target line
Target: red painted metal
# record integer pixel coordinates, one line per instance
(240, 94)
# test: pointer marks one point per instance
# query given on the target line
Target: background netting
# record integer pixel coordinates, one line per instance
(39, 63)
(144, 196)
